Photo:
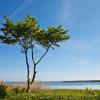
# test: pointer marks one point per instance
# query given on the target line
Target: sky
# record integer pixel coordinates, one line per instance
(76, 59)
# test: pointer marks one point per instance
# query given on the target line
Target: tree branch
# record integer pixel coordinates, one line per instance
(32, 55)
(43, 55)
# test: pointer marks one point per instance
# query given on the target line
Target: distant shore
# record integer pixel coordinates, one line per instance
(57, 81)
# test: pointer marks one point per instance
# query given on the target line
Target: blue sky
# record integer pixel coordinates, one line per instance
(76, 59)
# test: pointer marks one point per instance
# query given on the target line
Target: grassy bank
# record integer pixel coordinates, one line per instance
(54, 94)
(13, 92)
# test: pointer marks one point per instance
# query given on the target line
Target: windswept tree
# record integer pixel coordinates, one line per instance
(27, 33)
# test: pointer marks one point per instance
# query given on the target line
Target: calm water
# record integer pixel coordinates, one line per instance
(66, 84)
(72, 85)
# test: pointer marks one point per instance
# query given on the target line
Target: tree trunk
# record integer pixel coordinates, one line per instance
(34, 74)
(28, 80)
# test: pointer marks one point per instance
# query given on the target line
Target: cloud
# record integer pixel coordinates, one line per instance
(25, 4)
(64, 11)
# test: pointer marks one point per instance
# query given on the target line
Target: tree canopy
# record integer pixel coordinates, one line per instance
(28, 30)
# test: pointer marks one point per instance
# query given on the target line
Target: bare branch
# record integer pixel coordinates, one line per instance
(43, 55)
(32, 55)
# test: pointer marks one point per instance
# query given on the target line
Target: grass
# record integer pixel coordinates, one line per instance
(54, 94)
(13, 92)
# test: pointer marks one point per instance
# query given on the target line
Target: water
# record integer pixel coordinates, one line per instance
(66, 84)
(72, 85)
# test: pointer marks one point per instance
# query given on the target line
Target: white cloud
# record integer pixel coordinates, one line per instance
(17, 11)
(64, 11)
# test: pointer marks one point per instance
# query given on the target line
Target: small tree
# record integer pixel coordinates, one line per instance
(28, 34)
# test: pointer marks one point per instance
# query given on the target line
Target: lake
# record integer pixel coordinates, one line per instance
(72, 84)
(66, 84)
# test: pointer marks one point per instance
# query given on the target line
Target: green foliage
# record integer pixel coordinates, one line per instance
(89, 92)
(3, 92)
(27, 31)
(23, 96)
(20, 32)
(58, 94)
(18, 89)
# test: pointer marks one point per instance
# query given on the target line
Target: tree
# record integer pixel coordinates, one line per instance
(27, 33)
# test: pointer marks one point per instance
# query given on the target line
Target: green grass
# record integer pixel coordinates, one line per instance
(10, 92)
(55, 94)
(15, 92)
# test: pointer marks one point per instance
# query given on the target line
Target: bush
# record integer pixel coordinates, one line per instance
(3, 87)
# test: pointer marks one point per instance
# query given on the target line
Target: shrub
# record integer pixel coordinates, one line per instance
(3, 87)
